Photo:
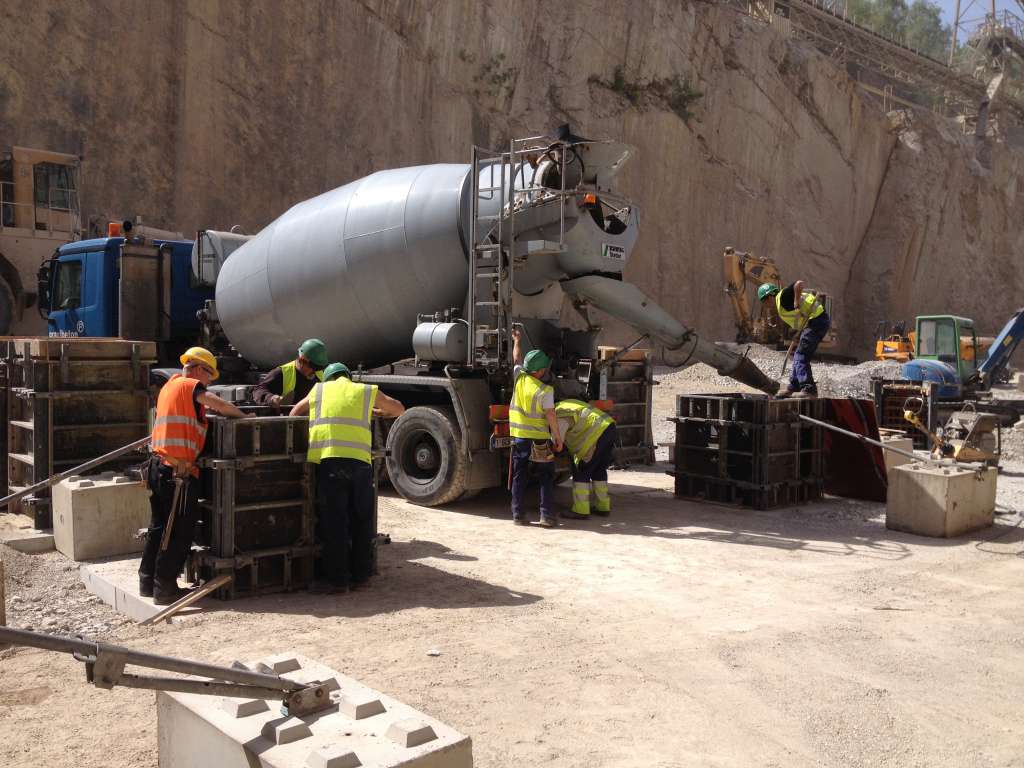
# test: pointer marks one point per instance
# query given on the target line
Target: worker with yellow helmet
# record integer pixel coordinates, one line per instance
(179, 432)
(292, 381)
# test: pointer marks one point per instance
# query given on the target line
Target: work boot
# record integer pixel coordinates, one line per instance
(145, 586)
(548, 522)
(782, 394)
(520, 521)
(805, 394)
(166, 597)
(575, 515)
(602, 501)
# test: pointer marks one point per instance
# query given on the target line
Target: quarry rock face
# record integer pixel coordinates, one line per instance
(210, 113)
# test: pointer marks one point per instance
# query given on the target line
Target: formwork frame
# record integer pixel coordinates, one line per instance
(68, 401)
(748, 450)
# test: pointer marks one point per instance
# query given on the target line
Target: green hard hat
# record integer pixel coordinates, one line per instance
(337, 369)
(536, 360)
(766, 290)
(315, 351)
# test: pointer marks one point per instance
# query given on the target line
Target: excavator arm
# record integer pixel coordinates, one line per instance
(741, 268)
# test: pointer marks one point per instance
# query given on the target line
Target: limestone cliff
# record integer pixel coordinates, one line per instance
(216, 112)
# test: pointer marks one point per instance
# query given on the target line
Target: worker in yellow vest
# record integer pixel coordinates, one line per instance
(534, 428)
(803, 312)
(340, 444)
(589, 435)
(179, 433)
(292, 381)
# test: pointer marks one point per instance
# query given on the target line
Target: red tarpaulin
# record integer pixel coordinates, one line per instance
(853, 468)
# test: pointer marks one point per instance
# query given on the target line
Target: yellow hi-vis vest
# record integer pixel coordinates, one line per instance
(339, 421)
(288, 374)
(587, 424)
(525, 415)
(809, 309)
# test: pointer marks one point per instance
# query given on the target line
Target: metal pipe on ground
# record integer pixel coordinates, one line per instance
(864, 439)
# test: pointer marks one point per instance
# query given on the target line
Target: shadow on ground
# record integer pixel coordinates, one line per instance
(401, 584)
(833, 526)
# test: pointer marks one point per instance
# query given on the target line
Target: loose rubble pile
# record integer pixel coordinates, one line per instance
(44, 593)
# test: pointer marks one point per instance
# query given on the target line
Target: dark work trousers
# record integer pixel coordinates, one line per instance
(801, 377)
(344, 506)
(163, 567)
(545, 471)
(597, 467)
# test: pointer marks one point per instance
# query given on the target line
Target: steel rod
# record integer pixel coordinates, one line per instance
(54, 479)
(143, 659)
(862, 438)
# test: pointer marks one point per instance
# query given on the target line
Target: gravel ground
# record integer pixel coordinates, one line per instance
(44, 593)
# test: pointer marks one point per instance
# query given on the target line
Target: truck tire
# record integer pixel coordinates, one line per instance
(6, 307)
(426, 463)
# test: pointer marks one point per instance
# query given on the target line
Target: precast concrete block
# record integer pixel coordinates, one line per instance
(893, 459)
(333, 756)
(941, 500)
(244, 707)
(99, 516)
(198, 730)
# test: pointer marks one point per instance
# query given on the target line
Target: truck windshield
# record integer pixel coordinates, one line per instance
(68, 291)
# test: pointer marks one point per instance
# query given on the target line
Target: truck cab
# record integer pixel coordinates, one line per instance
(130, 288)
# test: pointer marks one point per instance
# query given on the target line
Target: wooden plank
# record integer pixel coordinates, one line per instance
(192, 597)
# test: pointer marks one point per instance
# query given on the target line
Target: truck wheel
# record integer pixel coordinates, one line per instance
(426, 464)
(6, 307)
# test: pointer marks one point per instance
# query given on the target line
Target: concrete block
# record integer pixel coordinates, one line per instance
(333, 756)
(359, 707)
(244, 707)
(410, 733)
(199, 730)
(896, 459)
(30, 543)
(116, 583)
(285, 730)
(941, 500)
(98, 516)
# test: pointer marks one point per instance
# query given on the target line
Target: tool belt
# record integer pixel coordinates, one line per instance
(541, 451)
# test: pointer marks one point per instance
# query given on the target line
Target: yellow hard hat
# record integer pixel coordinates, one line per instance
(202, 356)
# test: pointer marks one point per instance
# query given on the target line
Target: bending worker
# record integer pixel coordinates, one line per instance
(533, 427)
(292, 381)
(804, 313)
(340, 441)
(590, 438)
(179, 433)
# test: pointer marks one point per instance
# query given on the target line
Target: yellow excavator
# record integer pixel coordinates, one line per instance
(761, 323)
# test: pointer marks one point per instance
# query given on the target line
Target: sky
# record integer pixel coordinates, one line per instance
(977, 10)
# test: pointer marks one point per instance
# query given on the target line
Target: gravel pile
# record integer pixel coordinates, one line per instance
(44, 593)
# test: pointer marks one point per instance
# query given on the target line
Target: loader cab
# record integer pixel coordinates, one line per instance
(948, 339)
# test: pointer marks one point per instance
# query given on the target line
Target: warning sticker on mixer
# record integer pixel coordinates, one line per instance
(610, 251)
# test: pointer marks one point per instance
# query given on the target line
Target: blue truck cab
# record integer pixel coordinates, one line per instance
(127, 288)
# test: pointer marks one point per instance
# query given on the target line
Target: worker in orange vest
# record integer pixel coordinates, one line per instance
(179, 433)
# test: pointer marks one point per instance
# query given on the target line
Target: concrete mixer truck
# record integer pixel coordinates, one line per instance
(417, 276)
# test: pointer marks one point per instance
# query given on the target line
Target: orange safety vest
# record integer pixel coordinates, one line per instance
(177, 433)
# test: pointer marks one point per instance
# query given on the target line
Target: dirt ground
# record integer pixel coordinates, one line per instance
(671, 634)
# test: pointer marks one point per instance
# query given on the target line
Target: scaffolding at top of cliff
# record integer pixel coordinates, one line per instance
(915, 78)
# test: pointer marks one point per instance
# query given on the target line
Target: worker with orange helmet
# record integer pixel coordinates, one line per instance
(179, 433)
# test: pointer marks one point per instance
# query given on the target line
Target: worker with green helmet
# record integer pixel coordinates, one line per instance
(292, 381)
(804, 313)
(589, 435)
(534, 428)
(340, 444)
